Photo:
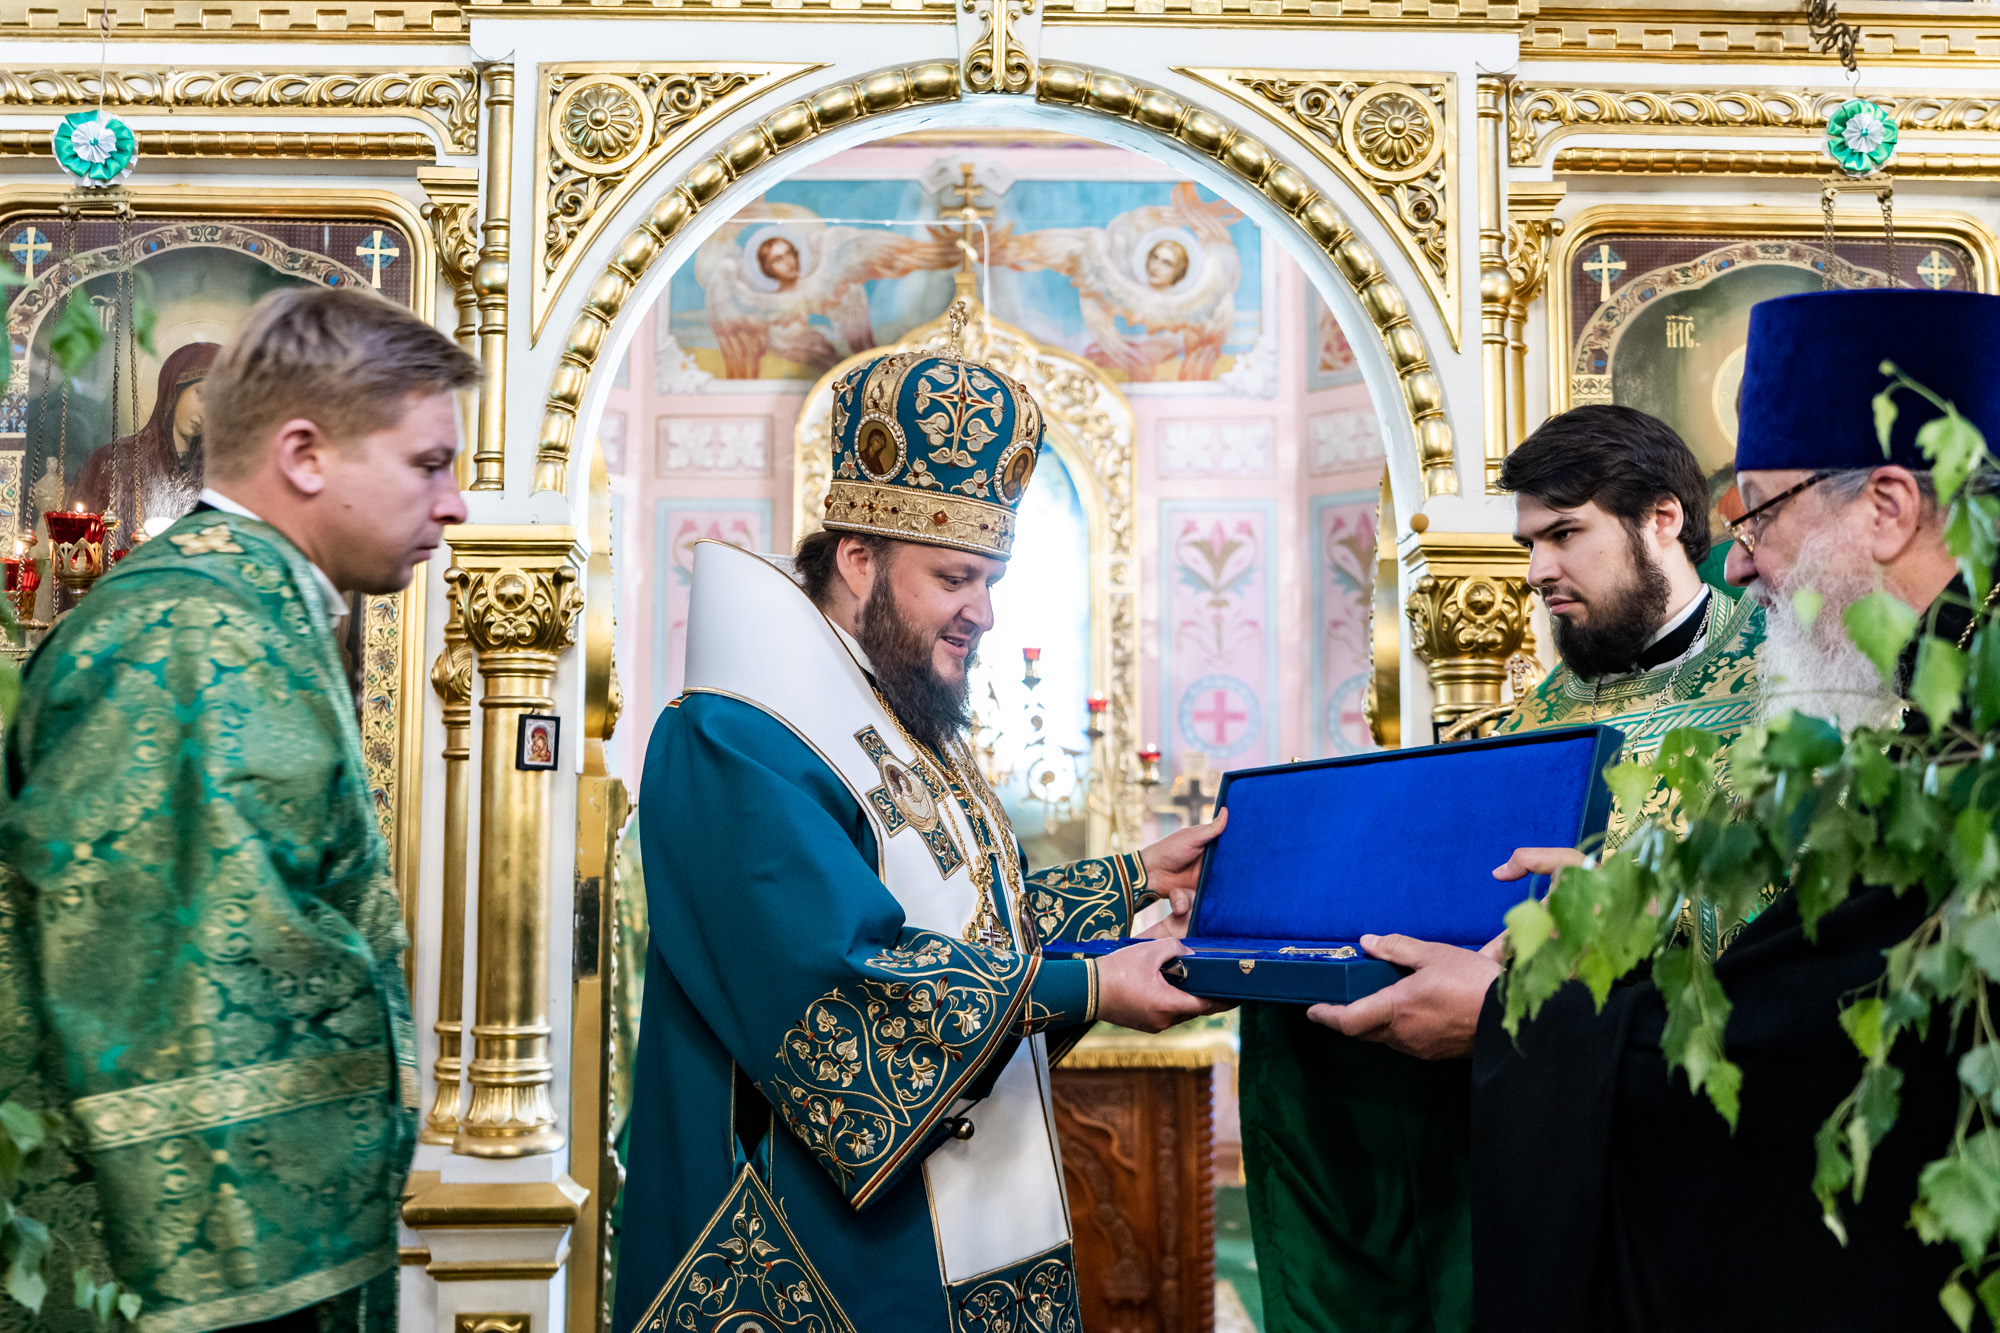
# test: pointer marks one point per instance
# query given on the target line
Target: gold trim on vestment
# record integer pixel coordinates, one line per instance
(257, 1306)
(205, 1101)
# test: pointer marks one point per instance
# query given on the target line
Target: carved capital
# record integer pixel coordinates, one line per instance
(517, 609)
(452, 210)
(1527, 253)
(451, 674)
(1468, 611)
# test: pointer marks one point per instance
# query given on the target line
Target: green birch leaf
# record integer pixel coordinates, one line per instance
(1831, 1172)
(1953, 445)
(82, 1288)
(1863, 1022)
(1630, 783)
(1885, 415)
(103, 1301)
(1980, 942)
(1989, 1296)
(1960, 1193)
(129, 1305)
(1979, 1071)
(1529, 926)
(1806, 606)
(1938, 681)
(25, 1246)
(1957, 1303)
(1975, 856)
(76, 337)
(1880, 624)
(1697, 1016)
(23, 1126)
(1986, 677)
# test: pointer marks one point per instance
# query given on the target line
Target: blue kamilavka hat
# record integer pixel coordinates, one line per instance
(932, 448)
(1813, 367)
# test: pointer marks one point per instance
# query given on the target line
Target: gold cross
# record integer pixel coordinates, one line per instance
(968, 212)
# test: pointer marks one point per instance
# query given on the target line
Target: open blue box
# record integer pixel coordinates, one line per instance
(1318, 854)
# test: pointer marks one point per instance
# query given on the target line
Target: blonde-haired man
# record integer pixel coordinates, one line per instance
(199, 935)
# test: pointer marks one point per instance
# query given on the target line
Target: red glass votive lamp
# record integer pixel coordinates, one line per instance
(77, 542)
(23, 580)
(1031, 667)
(1096, 704)
(1149, 765)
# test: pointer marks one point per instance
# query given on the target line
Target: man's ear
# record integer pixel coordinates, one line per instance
(1896, 511)
(301, 452)
(1669, 519)
(858, 565)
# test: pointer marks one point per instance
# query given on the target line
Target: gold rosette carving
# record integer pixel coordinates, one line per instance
(1390, 136)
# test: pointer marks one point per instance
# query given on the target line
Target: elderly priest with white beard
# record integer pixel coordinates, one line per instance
(1606, 1195)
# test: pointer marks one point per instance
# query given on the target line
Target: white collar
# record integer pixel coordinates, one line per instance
(333, 597)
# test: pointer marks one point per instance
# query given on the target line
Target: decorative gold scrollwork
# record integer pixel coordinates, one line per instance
(1539, 116)
(445, 98)
(1389, 136)
(996, 63)
(606, 127)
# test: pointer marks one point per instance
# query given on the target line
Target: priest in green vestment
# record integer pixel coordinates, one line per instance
(841, 1120)
(200, 938)
(1356, 1155)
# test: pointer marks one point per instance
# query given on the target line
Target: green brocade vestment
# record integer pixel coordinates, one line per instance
(199, 944)
(1356, 1156)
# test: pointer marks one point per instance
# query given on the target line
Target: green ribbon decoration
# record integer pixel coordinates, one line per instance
(98, 150)
(1860, 137)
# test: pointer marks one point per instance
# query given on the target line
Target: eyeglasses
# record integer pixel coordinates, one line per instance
(1749, 529)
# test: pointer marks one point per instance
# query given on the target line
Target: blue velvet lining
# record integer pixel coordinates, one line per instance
(1404, 841)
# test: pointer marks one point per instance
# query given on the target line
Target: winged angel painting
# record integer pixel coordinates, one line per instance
(1144, 278)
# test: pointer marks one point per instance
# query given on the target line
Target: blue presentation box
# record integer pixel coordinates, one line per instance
(1318, 854)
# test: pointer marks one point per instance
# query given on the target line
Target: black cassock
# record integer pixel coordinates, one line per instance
(1606, 1196)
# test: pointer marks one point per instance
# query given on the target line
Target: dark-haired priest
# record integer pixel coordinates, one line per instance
(841, 1118)
(1356, 1154)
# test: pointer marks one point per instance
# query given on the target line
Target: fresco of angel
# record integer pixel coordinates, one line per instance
(1168, 271)
(774, 267)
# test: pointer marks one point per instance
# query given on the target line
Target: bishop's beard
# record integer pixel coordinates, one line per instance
(931, 708)
(1622, 622)
(1816, 669)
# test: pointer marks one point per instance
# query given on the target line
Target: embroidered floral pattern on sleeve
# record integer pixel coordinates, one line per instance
(1037, 1295)
(1089, 900)
(871, 1067)
(746, 1264)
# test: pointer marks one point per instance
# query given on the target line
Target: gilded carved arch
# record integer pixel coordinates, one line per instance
(1073, 86)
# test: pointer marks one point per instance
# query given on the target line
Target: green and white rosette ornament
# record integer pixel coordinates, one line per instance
(98, 150)
(1860, 137)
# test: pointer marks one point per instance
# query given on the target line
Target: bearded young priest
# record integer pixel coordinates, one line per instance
(842, 1116)
(1606, 1195)
(1357, 1155)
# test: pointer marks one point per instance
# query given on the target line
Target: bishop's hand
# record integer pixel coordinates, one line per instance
(1173, 866)
(1133, 993)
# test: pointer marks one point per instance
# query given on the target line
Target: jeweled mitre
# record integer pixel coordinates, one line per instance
(930, 448)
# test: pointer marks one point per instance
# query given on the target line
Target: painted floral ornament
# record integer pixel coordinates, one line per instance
(1860, 137)
(97, 149)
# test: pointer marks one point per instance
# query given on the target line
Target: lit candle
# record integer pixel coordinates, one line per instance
(1096, 703)
(1149, 753)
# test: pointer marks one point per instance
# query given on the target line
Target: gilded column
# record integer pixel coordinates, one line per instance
(1531, 231)
(1468, 613)
(451, 677)
(1496, 285)
(489, 282)
(452, 202)
(520, 599)
(601, 809)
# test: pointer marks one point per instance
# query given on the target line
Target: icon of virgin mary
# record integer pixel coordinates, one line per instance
(156, 471)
